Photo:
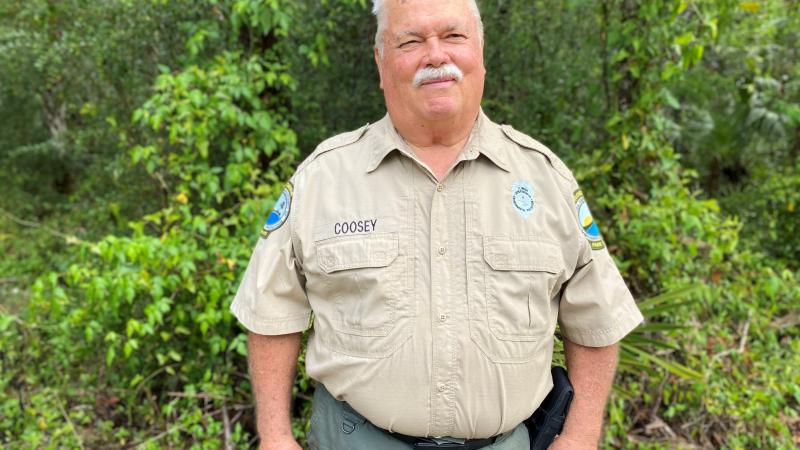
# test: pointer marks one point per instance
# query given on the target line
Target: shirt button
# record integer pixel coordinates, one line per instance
(439, 187)
(443, 317)
(442, 250)
(442, 388)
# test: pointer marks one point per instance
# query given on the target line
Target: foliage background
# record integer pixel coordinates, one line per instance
(142, 143)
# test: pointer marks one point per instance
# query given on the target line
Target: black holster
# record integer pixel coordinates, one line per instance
(548, 420)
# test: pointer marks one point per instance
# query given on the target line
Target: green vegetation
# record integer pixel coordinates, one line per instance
(143, 142)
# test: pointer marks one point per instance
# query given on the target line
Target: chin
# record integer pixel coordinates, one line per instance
(441, 108)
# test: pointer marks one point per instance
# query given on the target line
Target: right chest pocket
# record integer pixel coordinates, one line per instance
(367, 310)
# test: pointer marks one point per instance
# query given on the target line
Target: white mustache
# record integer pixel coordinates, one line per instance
(443, 72)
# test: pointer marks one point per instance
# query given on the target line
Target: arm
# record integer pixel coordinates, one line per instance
(272, 361)
(591, 371)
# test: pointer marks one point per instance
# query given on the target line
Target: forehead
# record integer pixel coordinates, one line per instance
(413, 15)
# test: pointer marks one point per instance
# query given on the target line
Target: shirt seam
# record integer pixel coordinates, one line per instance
(619, 323)
(253, 313)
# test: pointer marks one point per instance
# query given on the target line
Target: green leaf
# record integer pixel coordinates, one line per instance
(174, 355)
(670, 99)
(110, 354)
(670, 296)
(136, 380)
(685, 39)
(672, 367)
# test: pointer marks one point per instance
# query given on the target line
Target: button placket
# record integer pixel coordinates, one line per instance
(440, 407)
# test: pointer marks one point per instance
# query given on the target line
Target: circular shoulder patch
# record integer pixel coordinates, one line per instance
(280, 212)
(590, 228)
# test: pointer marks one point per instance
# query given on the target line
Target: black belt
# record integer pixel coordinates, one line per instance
(418, 442)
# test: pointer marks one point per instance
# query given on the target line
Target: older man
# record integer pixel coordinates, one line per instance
(437, 251)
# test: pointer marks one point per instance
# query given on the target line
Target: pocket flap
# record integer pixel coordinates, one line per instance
(353, 252)
(533, 254)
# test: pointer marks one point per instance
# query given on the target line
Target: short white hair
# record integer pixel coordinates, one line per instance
(379, 11)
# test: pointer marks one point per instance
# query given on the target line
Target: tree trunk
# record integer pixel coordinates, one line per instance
(55, 114)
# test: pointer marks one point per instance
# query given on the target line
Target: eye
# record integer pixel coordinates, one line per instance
(455, 36)
(408, 43)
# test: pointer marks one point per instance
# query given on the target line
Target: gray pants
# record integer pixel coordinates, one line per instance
(337, 426)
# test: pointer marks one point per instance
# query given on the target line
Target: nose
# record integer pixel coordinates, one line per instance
(436, 55)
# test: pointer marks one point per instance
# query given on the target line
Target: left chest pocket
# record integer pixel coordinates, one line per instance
(512, 314)
(520, 278)
(364, 285)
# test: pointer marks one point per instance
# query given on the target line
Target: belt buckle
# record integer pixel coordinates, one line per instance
(448, 445)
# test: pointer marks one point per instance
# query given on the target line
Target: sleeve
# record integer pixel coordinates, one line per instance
(271, 299)
(596, 307)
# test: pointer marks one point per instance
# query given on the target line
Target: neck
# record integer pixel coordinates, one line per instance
(436, 143)
(443, 134)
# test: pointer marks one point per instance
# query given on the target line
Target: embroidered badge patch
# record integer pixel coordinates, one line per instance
(590, 228)
(280, 212)
(523, 199)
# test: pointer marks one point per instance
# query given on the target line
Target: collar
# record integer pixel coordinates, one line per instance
(486, 138)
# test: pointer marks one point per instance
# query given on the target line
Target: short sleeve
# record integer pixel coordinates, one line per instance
(596, 307)
(271, 299)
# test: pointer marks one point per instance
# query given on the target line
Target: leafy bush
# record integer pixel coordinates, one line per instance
(147, 313)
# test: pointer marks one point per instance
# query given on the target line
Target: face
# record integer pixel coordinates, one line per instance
(423, 34)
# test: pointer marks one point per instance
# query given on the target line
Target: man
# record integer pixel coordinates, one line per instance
(437, 250)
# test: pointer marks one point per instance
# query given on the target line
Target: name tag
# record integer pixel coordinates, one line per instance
(355, 226)
(348, 226)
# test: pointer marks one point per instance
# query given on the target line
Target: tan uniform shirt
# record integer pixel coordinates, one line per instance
(434, 303)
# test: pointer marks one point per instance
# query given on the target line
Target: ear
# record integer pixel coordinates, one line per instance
(378, 63)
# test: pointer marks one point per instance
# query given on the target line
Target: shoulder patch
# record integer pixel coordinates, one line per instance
(280, 212)
(590, 228)
(332, 143)
(526, 141)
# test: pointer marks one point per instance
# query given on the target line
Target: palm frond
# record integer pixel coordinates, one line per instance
(637, 350)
